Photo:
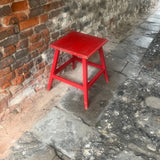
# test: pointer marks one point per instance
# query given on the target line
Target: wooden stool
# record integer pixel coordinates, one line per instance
(81, 47)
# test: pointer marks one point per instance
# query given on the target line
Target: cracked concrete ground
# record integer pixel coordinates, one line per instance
(123, 119)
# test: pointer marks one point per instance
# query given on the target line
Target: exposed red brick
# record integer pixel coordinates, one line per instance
(6, 85)
(19, 71)
(55, 35)
(49, 1)
(47, 40)
(18, 80)
(4, 71)
(36, 46)
(54, 13)
(26, 33)
(43, 48)
(24, 69)
(27, 75)
(5, 1)
(29, 23)
(38, 60)
(9, 50)
(6, 62)
(28, 66)
(45, 32)
(14, 18)
(22, 44)
(48, 7)
(5, 81)
(39, 73)
(43, 18)
(35, 53)
(57, 4)
(47, 70)
(35, 38)
(6, 32)
(19, 6)
(4, 100)
(41, 65)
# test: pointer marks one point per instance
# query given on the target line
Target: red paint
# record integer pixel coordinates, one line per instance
(83, 46)
(79, 44)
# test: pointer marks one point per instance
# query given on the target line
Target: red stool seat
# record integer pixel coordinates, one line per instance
(81, 47)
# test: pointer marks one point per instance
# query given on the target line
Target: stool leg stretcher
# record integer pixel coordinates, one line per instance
(86, 85)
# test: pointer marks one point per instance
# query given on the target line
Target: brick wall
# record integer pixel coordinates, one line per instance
(27, 27)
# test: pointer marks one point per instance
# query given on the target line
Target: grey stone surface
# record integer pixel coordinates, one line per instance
(99, 95)
(150, 27)
(30, 148)
(115, 64)
(127, 49)
(154, 20)
(150, 122)
(141, 41)
(153, 102)
(134, 58)
(146, 32)
(130, 122)
(120, 52)
(115, 79)
(129, 127)
(46, 154)
(61, 130)
(156, 14)
(125, 155)
(131, 70)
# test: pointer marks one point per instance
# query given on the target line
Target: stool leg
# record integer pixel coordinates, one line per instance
(103, 64)
(55, 60)
(73, 66)
(85, 82)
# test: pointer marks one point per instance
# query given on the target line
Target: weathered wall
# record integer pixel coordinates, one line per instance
(27, 27)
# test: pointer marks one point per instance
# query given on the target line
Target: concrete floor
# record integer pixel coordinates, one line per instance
(54, 125)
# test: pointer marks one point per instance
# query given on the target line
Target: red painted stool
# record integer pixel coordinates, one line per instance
(81, 47)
